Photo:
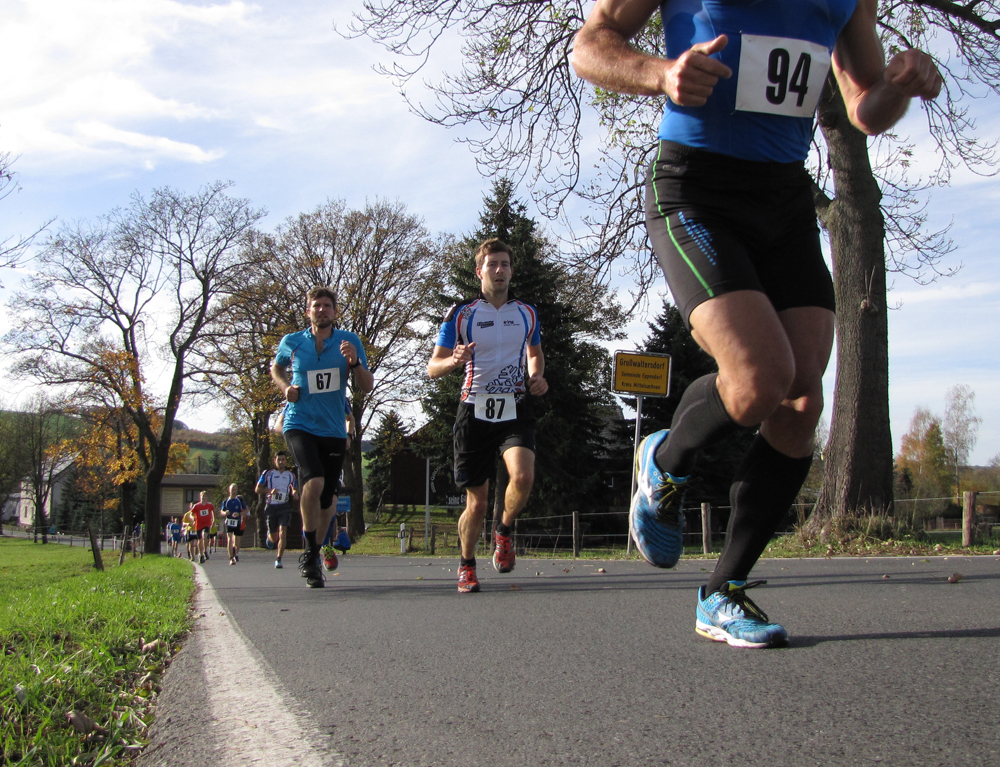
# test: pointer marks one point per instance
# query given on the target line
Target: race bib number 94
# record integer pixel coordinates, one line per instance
(323, 381)
(781, 76)
(496, 407)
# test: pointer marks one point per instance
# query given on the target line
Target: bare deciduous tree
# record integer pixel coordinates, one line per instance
(119, 305)
(381, 261)
(12, 248)
(961, 429)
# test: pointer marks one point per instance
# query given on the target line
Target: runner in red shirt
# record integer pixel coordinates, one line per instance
(204, 513)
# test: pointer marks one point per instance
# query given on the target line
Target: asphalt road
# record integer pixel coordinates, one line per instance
(389, 665)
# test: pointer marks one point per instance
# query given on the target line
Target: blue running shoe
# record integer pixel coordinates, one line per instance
(267, 542)
(655, 518)
(731, 616)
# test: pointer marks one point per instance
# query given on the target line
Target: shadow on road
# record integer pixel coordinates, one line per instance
(812, 641)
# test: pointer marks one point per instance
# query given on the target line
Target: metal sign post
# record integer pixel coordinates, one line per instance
(427, 509)
(644, 375)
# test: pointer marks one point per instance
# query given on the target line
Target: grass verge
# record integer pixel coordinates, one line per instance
(83, 651)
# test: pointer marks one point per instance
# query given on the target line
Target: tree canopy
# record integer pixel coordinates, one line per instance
(135, 291)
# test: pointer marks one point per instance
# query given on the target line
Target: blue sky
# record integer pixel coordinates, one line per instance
(115, 96)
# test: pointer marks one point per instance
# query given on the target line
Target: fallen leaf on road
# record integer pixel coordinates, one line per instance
(954, 578)
(601, 570)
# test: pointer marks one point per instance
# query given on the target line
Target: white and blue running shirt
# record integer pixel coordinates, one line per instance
(502, 336)
(322, 380)
(281, 482)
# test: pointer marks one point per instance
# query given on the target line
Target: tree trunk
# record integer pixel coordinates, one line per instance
(859, 452)
(153, 517)
(353, 479)
(127, 494)
(260, 440)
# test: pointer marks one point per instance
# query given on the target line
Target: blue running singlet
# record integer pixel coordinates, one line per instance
(779, 52)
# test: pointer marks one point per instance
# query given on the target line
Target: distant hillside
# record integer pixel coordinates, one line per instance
(219, 441)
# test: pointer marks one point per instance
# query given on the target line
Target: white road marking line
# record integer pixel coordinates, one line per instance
(249, 709)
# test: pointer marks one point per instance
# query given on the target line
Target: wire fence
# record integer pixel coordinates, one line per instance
(606, 533)
(598, 534)
(109, 542)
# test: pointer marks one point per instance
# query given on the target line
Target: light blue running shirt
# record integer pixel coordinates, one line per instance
(322, 380)
(779, 52)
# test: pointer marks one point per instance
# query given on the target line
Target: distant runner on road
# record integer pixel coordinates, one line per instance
(204, 515)
(280, 486)
(234, 512)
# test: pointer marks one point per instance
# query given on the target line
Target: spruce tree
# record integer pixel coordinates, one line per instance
(387, 443)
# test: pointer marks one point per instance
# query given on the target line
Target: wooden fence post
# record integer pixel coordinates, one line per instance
(968, 518)
(706, 528)
(576, 534)
(98, 562)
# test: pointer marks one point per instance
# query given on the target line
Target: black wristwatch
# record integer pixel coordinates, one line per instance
(356, 364)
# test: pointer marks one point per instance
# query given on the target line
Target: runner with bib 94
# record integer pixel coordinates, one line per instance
(729, 212)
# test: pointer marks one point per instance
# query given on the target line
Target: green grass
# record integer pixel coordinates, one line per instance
(930, 544)
(73, 640)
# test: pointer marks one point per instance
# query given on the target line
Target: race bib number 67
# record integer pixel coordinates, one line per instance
(323, 381)
(496, 407)
(780, 75)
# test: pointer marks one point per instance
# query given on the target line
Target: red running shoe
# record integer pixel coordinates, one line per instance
(503, 553)
(329, 559)
(467, 580)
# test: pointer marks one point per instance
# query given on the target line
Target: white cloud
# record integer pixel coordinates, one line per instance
(98, 133)
(944, 291)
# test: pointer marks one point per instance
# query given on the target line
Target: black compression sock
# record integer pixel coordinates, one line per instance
(699, 421)
(463, 562)
(503, 529)
(310, 540)
(762, 492)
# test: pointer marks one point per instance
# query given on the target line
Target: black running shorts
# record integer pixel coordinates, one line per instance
(278, 515)
(318, 457)
(719, 224)
(478, 443)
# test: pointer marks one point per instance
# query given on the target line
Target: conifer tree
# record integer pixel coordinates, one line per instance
(387, 443)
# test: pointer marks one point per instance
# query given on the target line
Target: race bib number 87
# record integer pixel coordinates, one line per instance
(496, 407)
(780, 75)
(323, 381)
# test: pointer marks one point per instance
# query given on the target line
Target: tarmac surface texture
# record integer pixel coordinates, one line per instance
(558, 663)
